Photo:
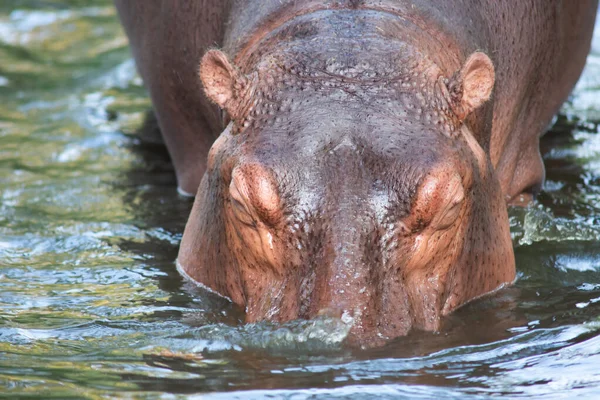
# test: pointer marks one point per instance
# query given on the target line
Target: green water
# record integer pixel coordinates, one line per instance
(91, 305)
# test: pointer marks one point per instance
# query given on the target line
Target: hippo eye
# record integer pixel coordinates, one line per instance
(448, 215)
(438, 202)
(452, 199)
(242, 213)
(254, 196)
(239, 207)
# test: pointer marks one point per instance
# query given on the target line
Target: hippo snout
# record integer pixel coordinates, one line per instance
(392, 276)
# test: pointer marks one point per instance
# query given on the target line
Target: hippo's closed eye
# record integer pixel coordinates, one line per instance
(239, 205)
(439, 201)
(254, 197)
(451, 203)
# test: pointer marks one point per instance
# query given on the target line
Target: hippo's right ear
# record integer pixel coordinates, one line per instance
(224, 84)
(472, 86)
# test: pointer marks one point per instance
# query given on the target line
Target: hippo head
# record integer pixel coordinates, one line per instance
(361, 190)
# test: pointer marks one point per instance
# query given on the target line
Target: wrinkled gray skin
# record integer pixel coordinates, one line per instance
(365, 163)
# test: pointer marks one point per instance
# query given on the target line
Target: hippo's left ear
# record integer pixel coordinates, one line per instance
(472, 86)
(224, 83)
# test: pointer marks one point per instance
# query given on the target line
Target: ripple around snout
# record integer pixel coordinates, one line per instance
(308, 337)
(92, 306)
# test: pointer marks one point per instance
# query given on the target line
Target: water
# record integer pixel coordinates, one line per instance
(91, 305)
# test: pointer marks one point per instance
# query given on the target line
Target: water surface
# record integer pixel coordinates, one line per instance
(91, 305)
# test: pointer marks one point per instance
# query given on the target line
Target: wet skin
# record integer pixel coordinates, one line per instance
(369, 153)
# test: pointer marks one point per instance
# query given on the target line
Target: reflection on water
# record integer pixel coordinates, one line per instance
(91, 304)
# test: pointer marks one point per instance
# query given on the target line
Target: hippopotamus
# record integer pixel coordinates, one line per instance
(355, 158)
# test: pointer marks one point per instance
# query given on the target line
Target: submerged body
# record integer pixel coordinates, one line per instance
(366, 164)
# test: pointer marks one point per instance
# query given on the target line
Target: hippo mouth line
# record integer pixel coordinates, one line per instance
(181, 269)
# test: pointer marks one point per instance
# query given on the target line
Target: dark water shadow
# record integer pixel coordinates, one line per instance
(150, 191)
